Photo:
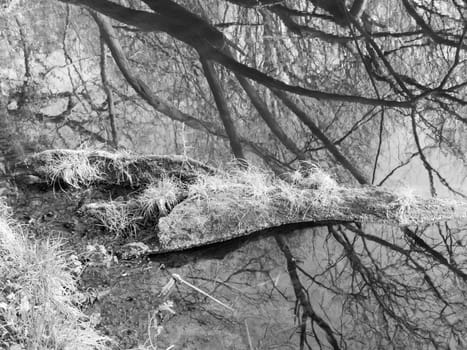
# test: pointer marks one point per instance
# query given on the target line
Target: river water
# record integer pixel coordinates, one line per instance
(254, 280)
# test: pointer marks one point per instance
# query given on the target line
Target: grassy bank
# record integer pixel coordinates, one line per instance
(39, 307)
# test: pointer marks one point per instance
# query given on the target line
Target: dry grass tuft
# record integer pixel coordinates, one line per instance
(406, 204)
(159, 198)
(249, 188)
(118, 165)
(252, 196)
(37, 295)
(83, 167)
(71, 167)
(116, 217)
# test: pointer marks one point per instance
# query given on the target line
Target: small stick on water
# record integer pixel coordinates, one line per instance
(178, 278)
(248, 336)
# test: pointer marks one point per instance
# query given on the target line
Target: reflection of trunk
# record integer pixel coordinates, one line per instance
(222, 107)
(11, 150)
(27, 64)
(331, 147)
(268, 118)
(108, 93)
(301, 294)
(260, 105)
(358, 8)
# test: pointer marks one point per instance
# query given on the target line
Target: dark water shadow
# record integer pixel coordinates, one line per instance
(220, 250)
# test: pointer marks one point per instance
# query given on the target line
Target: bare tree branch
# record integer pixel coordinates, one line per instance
(223, 109)
(108, 92)
(301, 296)
(211, 48)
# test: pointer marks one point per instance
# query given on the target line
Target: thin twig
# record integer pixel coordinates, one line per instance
(248, 336)
(178, 278)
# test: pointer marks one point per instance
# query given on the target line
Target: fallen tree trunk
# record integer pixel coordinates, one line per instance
(187, 204)
(220, 215)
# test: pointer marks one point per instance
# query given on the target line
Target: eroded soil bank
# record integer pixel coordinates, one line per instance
(169, 251)
(133, 299)
(131, 296)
